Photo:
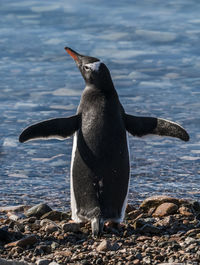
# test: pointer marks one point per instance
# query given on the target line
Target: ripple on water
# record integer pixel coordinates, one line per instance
(152, 51)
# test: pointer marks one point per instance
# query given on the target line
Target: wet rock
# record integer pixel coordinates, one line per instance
(52, 215)
(38, 210)
(30, 240)
(166, 208)
(155, 201)
(71, 227)
(43, 262)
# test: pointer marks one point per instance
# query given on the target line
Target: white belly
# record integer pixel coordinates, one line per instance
(75, 217)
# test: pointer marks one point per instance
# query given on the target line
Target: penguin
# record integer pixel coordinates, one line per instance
(99, 177)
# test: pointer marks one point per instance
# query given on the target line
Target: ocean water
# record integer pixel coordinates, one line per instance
(152, 50)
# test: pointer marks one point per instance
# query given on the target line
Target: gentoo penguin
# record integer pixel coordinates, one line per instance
(100, 158)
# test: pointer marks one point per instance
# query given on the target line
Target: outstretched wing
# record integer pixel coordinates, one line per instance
(140, 126)
(59, 128)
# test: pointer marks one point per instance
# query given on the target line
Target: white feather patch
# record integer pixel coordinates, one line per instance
(94, 66)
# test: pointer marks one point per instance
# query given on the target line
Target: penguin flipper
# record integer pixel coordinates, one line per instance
(59, 128)
(140, 126)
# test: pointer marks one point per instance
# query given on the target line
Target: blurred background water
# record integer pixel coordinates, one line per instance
(152, 51)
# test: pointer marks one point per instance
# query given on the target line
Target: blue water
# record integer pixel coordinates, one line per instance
(152, 50)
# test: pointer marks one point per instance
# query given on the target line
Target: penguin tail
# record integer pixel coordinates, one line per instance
(96, 218)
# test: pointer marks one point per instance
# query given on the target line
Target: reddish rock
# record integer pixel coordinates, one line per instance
(166, 208)
(30, 240)
(155, 201)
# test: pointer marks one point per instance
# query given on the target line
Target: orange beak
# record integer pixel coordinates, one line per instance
(72, 53)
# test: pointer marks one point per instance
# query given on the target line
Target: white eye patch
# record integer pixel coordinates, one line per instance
(93, 66)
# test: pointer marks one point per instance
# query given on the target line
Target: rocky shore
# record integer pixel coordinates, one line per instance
(162, 230)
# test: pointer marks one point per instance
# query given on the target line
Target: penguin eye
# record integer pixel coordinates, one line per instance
(86, 68)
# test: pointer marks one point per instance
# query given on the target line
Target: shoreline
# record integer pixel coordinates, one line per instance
(160, 230)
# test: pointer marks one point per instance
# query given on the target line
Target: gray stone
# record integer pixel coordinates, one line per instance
(71, 227)
(38, 210)
(13, 262)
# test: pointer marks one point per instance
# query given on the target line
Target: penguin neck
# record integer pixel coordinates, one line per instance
(102, 84)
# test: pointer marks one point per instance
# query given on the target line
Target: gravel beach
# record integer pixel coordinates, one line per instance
(162, 230)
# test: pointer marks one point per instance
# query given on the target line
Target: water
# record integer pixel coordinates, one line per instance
(152, 50)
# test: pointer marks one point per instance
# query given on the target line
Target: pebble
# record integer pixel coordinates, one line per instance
(105, 245)
(141, 239)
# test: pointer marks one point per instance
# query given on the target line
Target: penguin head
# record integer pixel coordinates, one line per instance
(92, 69)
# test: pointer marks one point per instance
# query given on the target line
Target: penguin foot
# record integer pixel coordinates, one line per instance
(97, 227)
